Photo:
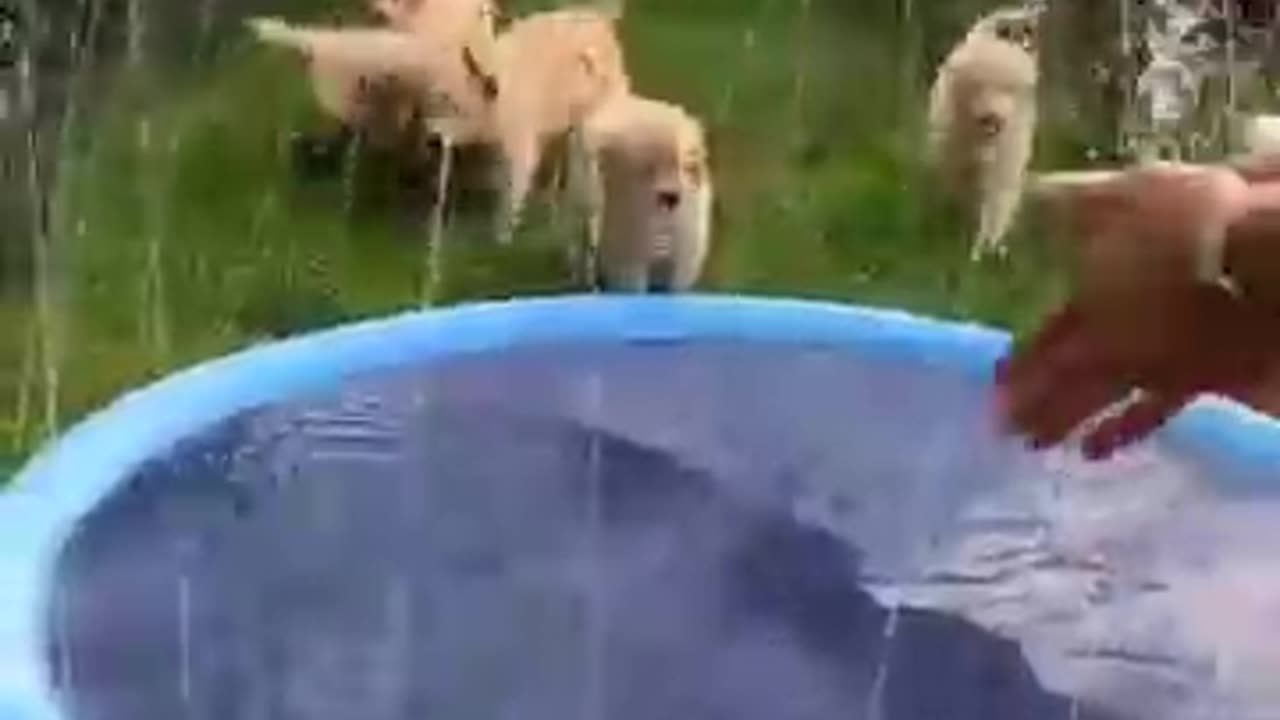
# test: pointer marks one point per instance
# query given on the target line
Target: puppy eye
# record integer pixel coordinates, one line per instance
(1004, 33)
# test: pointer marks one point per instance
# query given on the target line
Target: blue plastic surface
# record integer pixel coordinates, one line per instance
(1238, 450)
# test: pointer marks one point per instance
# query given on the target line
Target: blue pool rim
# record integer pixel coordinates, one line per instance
(66, 480)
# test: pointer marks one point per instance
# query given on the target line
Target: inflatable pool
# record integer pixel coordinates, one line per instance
(631, 508)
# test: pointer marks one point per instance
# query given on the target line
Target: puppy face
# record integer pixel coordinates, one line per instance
(1017, 26)
(990, 111)
(663, 160)
(1022, 32)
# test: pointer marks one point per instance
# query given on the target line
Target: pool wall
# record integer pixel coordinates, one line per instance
(1239, 449)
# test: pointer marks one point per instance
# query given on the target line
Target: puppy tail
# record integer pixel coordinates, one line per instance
(275, 31)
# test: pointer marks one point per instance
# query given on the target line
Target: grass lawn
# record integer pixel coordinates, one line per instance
(184, 233)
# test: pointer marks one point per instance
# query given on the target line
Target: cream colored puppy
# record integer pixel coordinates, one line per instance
(652, 195)
(441, 17)
(553, 69)
(359, 74)
(982, 120)
(469, 24)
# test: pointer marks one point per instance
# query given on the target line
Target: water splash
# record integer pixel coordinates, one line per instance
(593, 700)
(48, 201)
(48, 281)
(204, 27)
(26, 387)
(1233, 101)
(434, 270)
(880, 681)
(185, 649)
(135, 28)
(156, 195)
(724, 111)
(64, 671)
(400, 634)
(801, 64)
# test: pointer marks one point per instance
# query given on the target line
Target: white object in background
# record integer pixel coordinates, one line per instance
(1169, 89)
(1261, 135)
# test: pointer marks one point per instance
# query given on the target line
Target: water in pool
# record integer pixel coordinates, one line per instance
(548, 533)
(498, 538)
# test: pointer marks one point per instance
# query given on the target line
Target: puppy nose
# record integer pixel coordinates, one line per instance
(990, 124)
(668, 199)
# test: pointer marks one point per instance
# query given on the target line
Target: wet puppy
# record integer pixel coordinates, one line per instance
(553, 69)
(982, 120)
(652, 195)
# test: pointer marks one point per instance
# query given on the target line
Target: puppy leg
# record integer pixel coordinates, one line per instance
(691, 251)
(631, 277)
(663, 276)
(999, 205)
(522, 157)
(586, 193)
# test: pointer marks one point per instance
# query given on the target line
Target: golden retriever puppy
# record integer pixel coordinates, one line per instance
(982, 120)
(1019, 25)
(651, 195)
(442, 18)
(470, 24)
(553, 69)
(359, 75)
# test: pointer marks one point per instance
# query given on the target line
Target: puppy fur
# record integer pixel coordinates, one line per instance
(553, 69)
(361, 75)
(469, 24)
(982, 120)
(652, 195)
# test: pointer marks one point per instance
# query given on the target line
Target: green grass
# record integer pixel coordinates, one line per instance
(816, 132)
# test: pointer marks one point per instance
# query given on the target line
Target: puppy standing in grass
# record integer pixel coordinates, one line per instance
(371, 78)
(982, 120)
(553, 69)
(651, 192)
(469, 24)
